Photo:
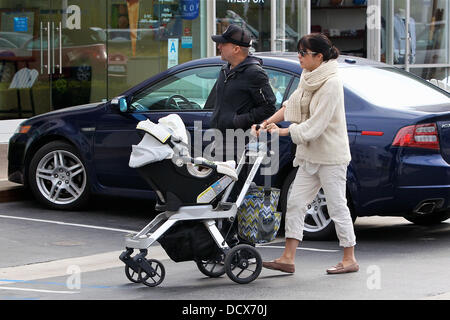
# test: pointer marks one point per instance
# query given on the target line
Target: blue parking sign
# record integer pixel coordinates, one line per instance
(21, 24)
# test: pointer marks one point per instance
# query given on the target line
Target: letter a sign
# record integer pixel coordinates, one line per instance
(172, 55)
(73, 21)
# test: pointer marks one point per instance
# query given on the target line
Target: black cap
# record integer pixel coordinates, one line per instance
(234, 34)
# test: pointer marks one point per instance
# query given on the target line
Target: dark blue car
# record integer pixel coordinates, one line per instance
(398, 127)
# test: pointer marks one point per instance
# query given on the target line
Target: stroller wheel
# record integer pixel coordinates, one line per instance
(243, 264)
(212, 268)
(155, 277)
(132, 275)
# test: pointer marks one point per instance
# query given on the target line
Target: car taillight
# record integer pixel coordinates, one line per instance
(418, 136)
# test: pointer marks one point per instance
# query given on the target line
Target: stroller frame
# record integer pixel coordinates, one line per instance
(208, 215)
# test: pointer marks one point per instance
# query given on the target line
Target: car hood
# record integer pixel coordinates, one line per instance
(84, 107)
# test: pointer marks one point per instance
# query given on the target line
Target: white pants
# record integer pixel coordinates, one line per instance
(307, 183)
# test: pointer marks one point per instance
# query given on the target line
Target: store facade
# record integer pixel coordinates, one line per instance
(59, 53)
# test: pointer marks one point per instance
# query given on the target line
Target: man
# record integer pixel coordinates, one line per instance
(242, 95)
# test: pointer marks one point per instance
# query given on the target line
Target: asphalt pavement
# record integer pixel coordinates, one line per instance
(56, 255)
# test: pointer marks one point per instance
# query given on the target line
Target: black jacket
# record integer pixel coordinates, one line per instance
(243, 96)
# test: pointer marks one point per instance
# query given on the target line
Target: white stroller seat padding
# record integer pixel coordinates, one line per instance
(171, 125)
(224, 169)
(176, 125)
(149, 150)
(159, 132)
(227, 168)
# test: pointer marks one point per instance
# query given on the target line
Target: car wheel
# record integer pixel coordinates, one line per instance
(318, 223)
(428, 219)
(58, 177)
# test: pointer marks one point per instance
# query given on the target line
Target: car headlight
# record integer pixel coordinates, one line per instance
(22, 129)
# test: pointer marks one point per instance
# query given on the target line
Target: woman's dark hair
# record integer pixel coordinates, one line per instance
(318, 42)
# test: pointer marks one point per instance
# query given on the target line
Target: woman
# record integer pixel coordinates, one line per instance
(316, 111)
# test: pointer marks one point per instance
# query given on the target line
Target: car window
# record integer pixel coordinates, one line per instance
(279, 81)
(186, 90)
(293, 87)
(391, 87)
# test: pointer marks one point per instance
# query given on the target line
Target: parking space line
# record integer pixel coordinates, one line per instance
(68, 224)
(38, 290)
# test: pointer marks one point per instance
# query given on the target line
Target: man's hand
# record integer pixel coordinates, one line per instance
(256, 128)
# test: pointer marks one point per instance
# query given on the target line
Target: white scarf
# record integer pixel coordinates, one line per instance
(297, 107)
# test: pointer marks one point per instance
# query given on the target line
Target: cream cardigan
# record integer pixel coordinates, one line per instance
(317, 112)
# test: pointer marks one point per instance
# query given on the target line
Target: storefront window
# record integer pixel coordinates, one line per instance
(148, 37)
(421, 43)
(52, 55)
(83, 51)
(253, 16)
(425, 39)
(385, 55)
(288, 23)
(429, 29)
(344, 22)
(432, 73)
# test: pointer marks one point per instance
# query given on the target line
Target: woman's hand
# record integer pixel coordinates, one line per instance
(274, 129)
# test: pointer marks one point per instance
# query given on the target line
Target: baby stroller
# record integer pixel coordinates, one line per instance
(196, 222)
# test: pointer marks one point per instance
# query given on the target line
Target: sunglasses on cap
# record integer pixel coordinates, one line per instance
(304, 53)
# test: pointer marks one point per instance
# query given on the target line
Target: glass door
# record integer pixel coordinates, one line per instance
(78, 52)
(52, 55)
(25, 66)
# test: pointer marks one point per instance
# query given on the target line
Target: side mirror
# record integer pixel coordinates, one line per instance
(123, 106)
(121, 102)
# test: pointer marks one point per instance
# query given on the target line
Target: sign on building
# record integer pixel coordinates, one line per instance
(172, 56)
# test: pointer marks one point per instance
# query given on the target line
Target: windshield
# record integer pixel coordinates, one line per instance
(391, 87)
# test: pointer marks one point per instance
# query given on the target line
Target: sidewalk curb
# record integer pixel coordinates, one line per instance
(10, 192)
